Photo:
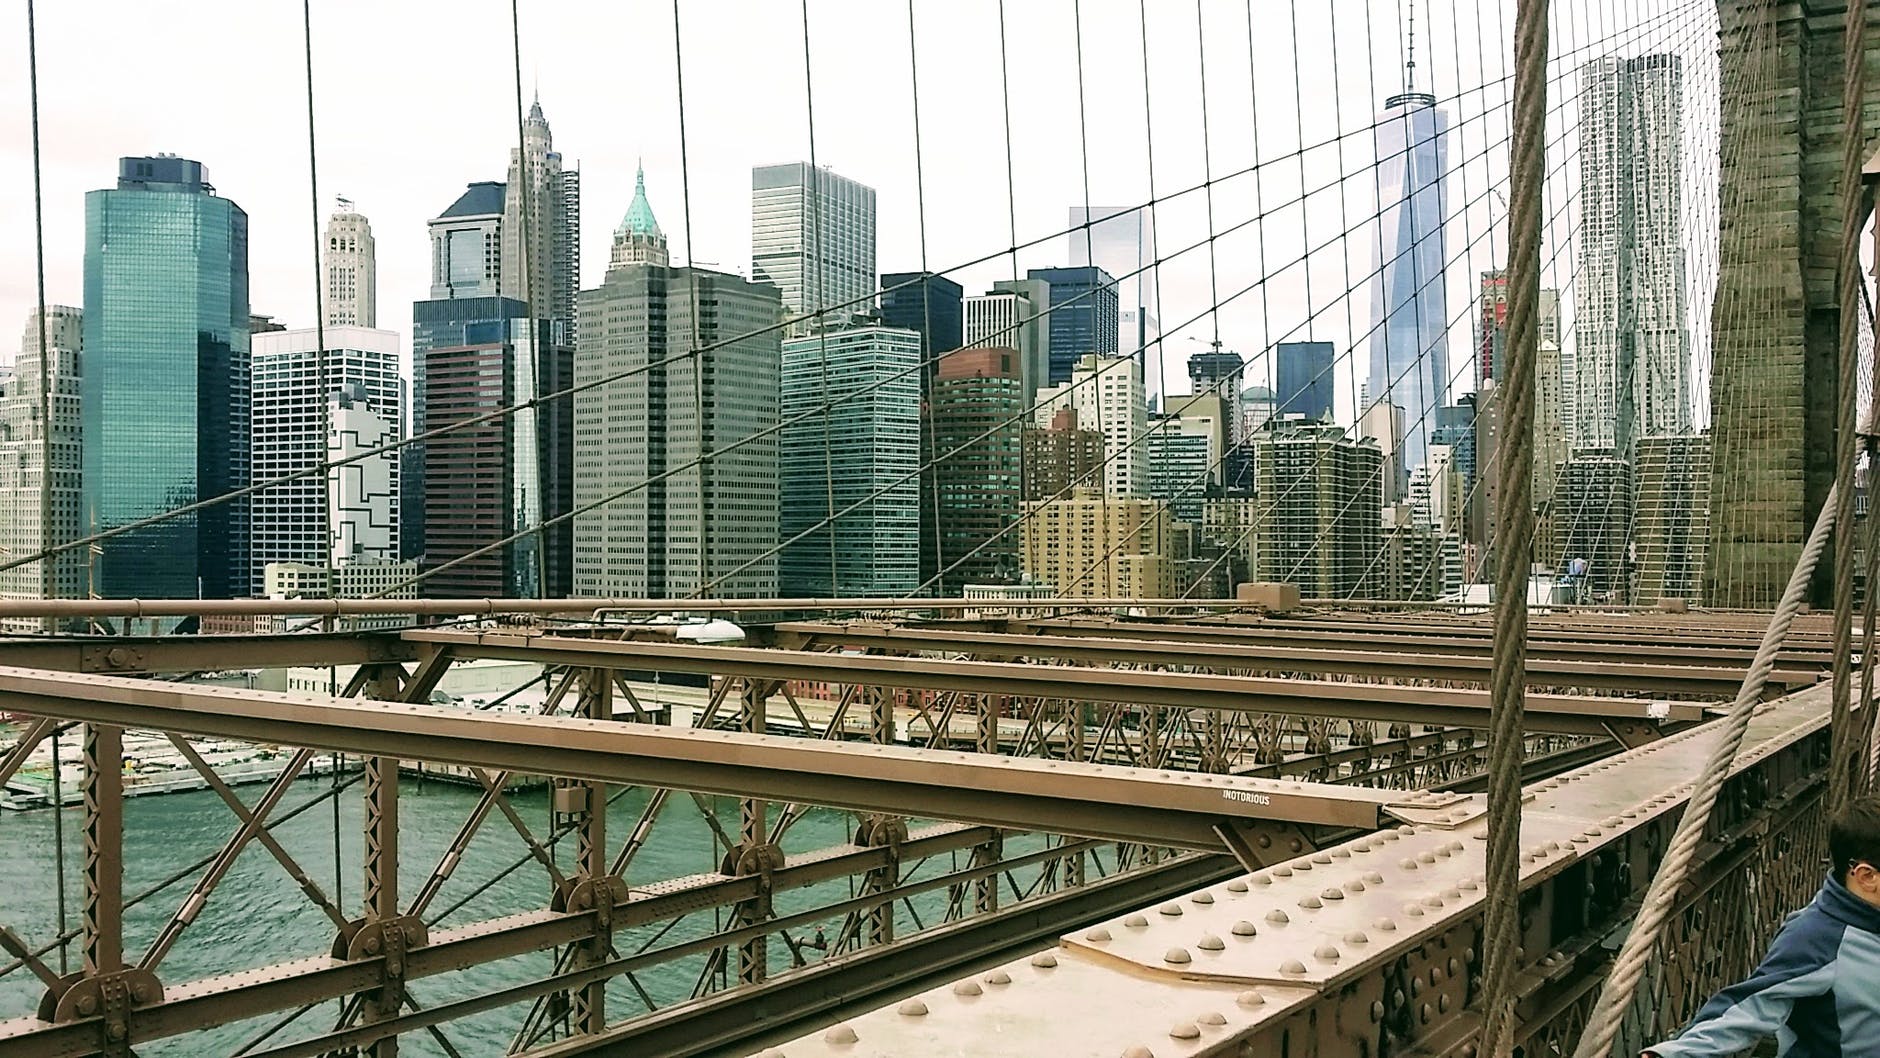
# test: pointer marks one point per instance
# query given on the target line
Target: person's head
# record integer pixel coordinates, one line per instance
(1854, 843)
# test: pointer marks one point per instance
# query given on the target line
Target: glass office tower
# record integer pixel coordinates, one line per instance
(166, 392)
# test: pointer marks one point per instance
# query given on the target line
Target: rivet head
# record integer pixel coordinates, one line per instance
(1385, 924)
(1099, 935)
(1327, 953)
(1044, 960)
(1261, 879)
(1432, 900)
(1469, 885)
(1138, 1052)
(968, 988)
(1377, 1010)
(1210, 942)
(1426, 857)
(1277, 917)
(1177, 956)
(1356, 885)
(1311, 903)
(1202, 898)
(1282, 872)
(1332, 894)
(1292, 966)
(1250, 998)
(1185, 1030)
(1322, 858)
(998, 977)
(1413, 911)
(840, 1034)
(1408, 865)
(1243, 928)
(1452, 894)
(1357, 937)
(87, 1005)
(913, 1008)
(1171, 910)
(1238, 885)
(1136, 922)
(1212, 1017)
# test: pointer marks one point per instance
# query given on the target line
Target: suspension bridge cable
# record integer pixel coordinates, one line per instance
(1515, 527)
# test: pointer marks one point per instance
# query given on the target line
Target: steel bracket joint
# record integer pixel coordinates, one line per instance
(385, 939)
(1258, 843)
(109, 997)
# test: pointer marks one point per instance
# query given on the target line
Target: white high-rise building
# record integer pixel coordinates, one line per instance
(546, 275)
(1107, 394)
(294, 424)
(813, 238)
(1013, 316)
(352, 272)
(1121, 241)
(362, 494)
(23, 496)
(1409, 310)
(1631, 368)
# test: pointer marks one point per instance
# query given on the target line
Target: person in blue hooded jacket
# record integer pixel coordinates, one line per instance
(1818, 990)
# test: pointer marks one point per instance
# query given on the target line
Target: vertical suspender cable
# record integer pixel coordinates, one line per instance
(49, 571)
(1854, 206)
(321, 395)
(525, 250)
(1514, 517)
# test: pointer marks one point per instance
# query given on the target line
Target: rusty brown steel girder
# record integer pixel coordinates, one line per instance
(1373, 946)
(1715, 681)
(1558, 714)
(1090, 800)
(1255, 634)
(205, 653)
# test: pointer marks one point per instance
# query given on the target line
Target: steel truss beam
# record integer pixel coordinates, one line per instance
(1374, 946)
(1421, 640)
(205, 653)
(1714, 681)
(1090, 800)
(1556, 714)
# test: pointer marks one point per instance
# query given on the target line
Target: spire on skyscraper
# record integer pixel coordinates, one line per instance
(638, 239)
(1410, 53)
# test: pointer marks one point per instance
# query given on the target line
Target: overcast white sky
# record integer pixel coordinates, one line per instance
(416, 99)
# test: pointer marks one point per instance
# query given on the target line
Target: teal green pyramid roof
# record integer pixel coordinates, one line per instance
(639, 219)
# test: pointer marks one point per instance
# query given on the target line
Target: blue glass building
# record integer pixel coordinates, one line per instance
(1083, 316)
(929, 305)
(1305, 380)
(166, 385)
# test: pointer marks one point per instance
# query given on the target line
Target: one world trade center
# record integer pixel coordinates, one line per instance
(1409, 314)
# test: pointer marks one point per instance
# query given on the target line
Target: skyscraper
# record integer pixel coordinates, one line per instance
(1671, 516)
(1121, 241)
(501, 477)
(1491, 326)
(675, 512)
(848, 463)
(976, 437)
(1106, 392)
(293, 431)
(24, 501)
(467, 244)
(165, 392)
(352, 271)
(541, 247)
(466, 265)
(813, 238)
(1631, 367)
(1083, 317)
(1013, 316)
(1060, 457)
(1409, 310)
(1317, 512)
(1305, 380)
(928, 305)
